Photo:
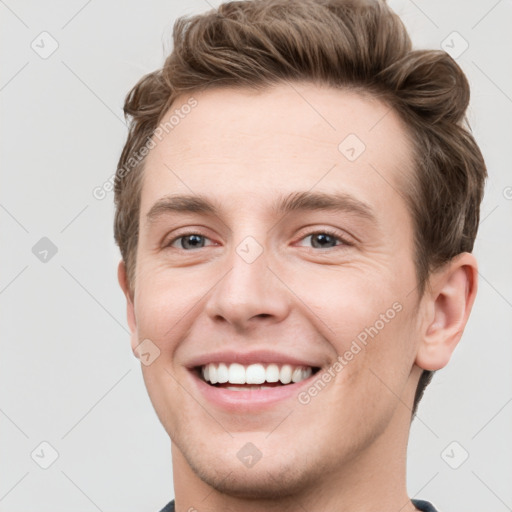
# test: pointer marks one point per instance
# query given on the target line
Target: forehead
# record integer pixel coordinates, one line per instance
(243, 145)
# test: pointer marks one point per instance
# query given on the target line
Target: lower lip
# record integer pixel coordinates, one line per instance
(250, 400)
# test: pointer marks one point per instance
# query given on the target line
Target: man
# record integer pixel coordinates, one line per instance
(296, 206)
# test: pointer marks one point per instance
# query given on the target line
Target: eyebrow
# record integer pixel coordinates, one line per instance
(295, 202)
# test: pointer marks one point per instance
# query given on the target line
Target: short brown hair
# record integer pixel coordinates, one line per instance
(347, 44)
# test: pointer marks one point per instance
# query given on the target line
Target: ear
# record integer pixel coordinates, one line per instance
(448, 303)
(130, 310)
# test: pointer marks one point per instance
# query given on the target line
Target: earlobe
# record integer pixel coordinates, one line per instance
(449, 302)
(122, 277)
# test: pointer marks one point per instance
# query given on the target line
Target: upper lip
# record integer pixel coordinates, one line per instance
(251, 357)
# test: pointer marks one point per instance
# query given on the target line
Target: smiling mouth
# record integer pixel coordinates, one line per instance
(238, 377)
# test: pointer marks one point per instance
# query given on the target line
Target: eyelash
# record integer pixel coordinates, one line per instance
(329, 232)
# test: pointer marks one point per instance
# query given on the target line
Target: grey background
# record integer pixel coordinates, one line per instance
(68, 376)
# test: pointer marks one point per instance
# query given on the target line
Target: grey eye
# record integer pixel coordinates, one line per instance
(323, 240)
(191, 241)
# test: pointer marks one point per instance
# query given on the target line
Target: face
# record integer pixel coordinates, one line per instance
(295, 259)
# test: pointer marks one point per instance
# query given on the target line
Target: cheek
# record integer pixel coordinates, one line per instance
(350, 303)
(369, 323)
(163, 303)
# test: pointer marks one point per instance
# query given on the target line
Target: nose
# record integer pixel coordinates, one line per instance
(249, 293)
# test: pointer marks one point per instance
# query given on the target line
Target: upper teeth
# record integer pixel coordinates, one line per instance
(236, 373)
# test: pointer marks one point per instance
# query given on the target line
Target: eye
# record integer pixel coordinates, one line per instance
(188, 241)
(325, 239)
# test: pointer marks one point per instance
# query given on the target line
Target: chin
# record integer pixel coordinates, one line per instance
(264, 481)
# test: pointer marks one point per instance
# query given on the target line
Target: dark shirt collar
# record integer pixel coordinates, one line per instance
(424, 506)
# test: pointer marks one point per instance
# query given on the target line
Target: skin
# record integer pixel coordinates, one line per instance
(346, 449)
